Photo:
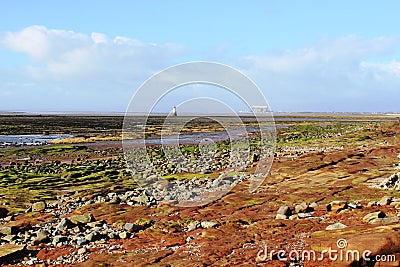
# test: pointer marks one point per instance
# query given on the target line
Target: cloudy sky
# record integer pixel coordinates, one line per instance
(304, 55)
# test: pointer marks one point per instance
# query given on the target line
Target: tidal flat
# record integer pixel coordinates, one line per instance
(74, 202)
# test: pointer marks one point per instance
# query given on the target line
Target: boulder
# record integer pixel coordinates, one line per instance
(284, 210)
(302, 208)
(370, 217)
(82, 219)
(385, 201)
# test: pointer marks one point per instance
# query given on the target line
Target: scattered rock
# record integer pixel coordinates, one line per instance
(302, 208)
(123, 235)
(132, 227)
(58, 240)
(374, 215)
(354, 205)
(385, 201)
(41, 237)
(284, 210)
(82, 219)
(38, 206)
(9, 230)
(64, 224)
(208, 224)
(336, 226)
(193, 226)
(82, 251)
(93, 236)
(392, 182)
(385, 220)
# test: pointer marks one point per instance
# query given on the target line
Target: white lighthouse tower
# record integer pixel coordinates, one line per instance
(174, 112)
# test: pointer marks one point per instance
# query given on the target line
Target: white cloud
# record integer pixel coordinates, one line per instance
(97, 71)
(72, 70)
(333, 74)
(98, 38)
(66, 55)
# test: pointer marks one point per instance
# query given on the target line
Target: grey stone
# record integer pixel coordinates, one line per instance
(81, 241)
(385, 220)
(193, 226)
(91, 236)
(336, 226)
(39, 206)
(59, 239)
(112, 235)
(301, 208)
(208, 224)
(131, 227)
(354, 205)
(9, 230)
(284, 210)
(374, 215)
(385, 201)
(41, 237)
(123, 235)
(82, 219)
(64, 224)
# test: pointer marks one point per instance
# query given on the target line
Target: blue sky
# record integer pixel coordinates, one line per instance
(304, 55)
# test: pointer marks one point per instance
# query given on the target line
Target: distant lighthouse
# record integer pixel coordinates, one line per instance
(174, 112)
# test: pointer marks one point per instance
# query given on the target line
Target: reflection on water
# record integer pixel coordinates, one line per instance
(30, 139)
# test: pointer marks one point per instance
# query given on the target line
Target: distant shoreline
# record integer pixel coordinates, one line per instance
(242, 114)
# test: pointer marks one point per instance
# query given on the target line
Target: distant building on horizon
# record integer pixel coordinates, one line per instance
(260, 109)
(174, 113)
